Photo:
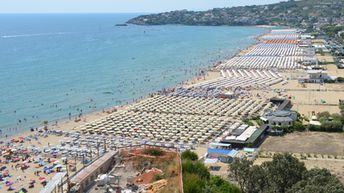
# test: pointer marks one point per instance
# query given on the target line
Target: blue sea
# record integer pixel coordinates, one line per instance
(53, 65)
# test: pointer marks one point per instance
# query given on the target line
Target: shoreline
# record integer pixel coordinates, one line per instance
(66, 124)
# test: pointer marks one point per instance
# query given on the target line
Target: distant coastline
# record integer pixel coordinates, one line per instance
(288, 13)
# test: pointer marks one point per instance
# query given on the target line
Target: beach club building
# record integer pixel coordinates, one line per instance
(316, 76)
(279, 118)
(240, 135)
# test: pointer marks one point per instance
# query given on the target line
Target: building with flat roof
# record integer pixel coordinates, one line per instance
(316, 76)
(241, 135)
(309, 60)
(222, 155)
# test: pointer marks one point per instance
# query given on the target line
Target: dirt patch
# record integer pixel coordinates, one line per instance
(152, 169)
(306, 142)
(147, 176)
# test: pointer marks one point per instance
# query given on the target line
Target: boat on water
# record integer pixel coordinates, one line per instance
(121, 24)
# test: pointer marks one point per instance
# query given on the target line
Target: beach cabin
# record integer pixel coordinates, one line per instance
(309, 51)
(306, 37)
(220, 152)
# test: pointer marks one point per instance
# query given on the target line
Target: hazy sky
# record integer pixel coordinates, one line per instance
(124, 6)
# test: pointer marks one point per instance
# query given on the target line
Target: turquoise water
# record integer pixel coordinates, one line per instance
(53, 65)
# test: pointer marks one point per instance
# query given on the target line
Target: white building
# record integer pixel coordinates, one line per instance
(316, 76)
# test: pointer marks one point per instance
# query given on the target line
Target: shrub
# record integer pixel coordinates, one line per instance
(331, 126)
(192, 183)
(285, 129)
(340, 79)
(189, 155)
(324, 114)
(218, 185)
(247, 121)
(153, 151)
(314, 128)
(158, 177)
(298, 126)
(197, 178)
(196, 167)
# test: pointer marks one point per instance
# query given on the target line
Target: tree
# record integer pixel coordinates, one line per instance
(258, 182)
(218, 185)
(318, 181)
(283, 172)
(189, 155)
(275, 176)
(192, 183)
(196, 167)
(324, 114)
(240, 170)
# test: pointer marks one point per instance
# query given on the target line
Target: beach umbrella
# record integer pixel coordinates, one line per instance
(9, 183)
(10, 188)
(42, 179)
(23, 190)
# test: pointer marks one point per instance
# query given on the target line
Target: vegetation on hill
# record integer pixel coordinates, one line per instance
(332, 30)
(329, 123)
(189, 155)
(197, 179)
(304, 13)
(284, 174)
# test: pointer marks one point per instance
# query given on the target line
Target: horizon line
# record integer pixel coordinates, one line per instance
(76, 13)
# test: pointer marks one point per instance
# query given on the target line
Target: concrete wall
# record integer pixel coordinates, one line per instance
(101, 165)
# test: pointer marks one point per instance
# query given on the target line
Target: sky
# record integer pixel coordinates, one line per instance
(117, 6)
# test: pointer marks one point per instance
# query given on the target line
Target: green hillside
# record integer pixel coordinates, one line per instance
(306, 13)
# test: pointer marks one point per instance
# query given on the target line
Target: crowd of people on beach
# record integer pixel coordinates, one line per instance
(25, 166)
